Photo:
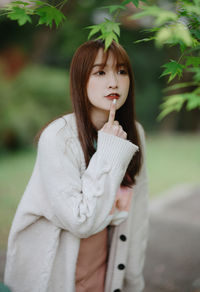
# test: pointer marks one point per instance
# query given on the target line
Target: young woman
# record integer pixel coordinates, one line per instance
(82, 222)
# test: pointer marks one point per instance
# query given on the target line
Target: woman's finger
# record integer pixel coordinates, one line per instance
(112, 112)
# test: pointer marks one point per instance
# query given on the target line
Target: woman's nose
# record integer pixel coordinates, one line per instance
(112, 80)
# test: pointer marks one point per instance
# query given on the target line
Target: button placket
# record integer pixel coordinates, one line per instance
(120, 257)
(121, 266)
(123, 237)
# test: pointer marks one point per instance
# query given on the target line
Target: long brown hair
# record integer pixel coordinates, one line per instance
(80, 69)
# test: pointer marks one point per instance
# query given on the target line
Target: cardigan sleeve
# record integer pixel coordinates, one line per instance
(81, 204)
(139, 230)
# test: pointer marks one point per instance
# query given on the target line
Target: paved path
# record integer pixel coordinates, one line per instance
(173, 252)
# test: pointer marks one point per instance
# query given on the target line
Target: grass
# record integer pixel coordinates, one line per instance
(15, 171)
(171, 160)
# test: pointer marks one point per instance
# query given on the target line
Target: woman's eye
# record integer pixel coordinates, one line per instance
(100, 73)
(122, 71)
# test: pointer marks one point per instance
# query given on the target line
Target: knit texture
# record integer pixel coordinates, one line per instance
(64, 201)
(121, 206)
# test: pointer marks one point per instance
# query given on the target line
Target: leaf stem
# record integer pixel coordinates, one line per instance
(116, 14)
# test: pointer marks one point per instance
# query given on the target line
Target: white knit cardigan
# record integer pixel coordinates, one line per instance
(64, 201)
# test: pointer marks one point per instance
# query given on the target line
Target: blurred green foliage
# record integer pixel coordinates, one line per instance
(179, 27)
(27, 102)
(40, 92)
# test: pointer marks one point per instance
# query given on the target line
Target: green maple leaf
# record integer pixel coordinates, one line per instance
(94, 29)
(110, 26)
(108, 37)
(19, 14)
(108, 30)
(175, 34)
(196, 73)
(180, 85)
(144, 40)
(171, 103)
(48, 14)
(196, 33)
(161, 15)
(194, 61)
(164, 16)
(193, 101)
(173, 69)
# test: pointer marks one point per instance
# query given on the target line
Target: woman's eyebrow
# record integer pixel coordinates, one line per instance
(120, 64)
(102, 65)
(99, 65)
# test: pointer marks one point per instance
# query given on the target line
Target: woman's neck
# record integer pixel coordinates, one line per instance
(99, 118)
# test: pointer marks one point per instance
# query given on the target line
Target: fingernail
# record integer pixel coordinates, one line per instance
(114, 100)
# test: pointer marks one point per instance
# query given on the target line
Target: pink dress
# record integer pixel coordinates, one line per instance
(93, 252)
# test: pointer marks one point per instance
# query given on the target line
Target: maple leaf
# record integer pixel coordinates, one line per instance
(109, 31)
(48, 14)
(194, 61)
(20, 15)
(173, 69)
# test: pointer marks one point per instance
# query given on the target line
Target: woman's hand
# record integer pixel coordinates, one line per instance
(113, 127)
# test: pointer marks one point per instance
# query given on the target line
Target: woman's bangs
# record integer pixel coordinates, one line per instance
(119, 55)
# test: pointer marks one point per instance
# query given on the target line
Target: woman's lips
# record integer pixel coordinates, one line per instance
(112, 96)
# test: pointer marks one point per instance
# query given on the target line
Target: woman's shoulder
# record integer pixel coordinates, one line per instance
(60, 138)
(61, 131)
(64, 126)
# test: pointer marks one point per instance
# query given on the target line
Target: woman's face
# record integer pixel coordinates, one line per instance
(108, 83)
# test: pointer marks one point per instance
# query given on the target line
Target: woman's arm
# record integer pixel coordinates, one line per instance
(81, 204)
(138, 231)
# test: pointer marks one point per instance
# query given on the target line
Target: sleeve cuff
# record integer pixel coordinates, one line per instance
(115, 150)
